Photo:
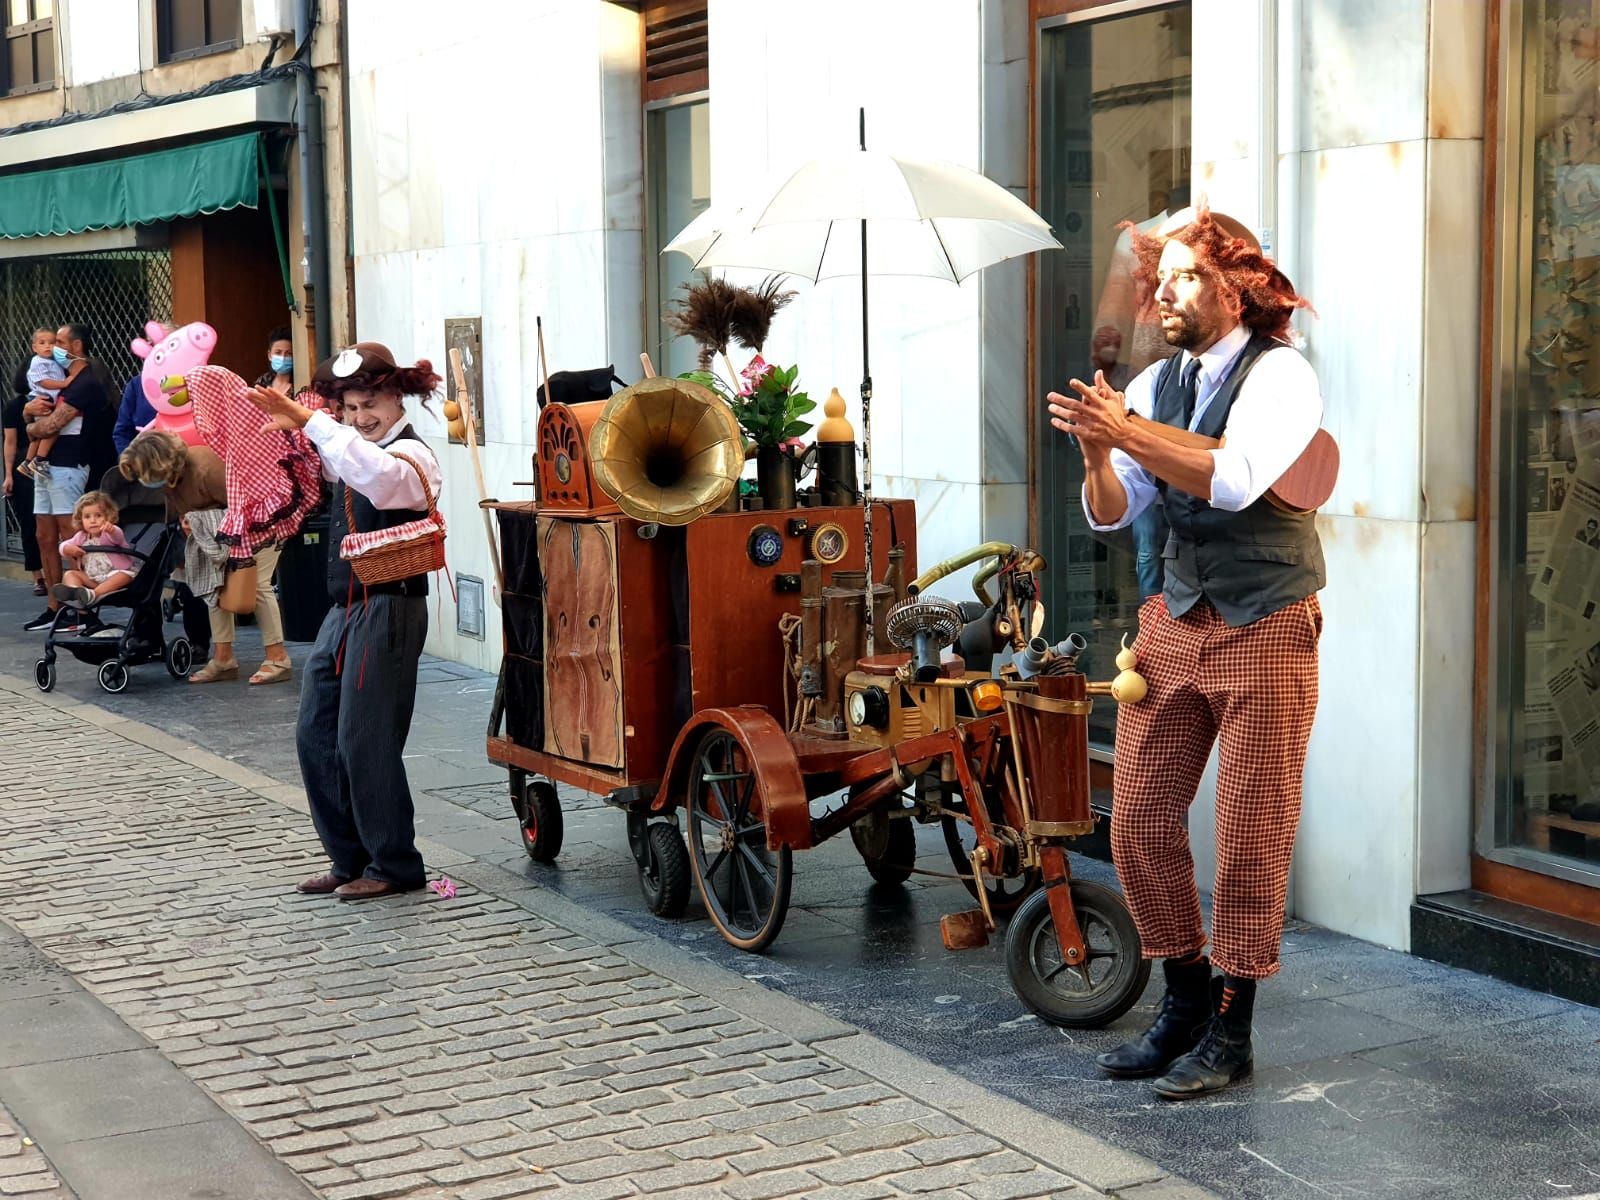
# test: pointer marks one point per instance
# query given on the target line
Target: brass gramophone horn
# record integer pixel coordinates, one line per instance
(666, 450)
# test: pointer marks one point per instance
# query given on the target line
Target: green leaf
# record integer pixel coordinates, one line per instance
(796, 429)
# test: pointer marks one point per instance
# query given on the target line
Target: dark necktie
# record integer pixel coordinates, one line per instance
(1188, 390)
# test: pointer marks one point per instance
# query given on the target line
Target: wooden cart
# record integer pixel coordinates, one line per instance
(719, 669)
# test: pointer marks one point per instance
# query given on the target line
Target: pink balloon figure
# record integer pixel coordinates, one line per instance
(167, 359)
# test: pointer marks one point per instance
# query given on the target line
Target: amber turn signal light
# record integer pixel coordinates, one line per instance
(986, 695)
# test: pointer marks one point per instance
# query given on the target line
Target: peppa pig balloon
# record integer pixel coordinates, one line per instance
(167, 359)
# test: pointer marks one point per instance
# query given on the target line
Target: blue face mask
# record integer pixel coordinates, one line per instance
(61, 356)
(155, 485)
(281, 364)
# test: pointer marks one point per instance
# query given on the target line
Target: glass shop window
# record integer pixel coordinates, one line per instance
(1114, 146)
(29, 64)
(678, 181)
(1546, 807)
(190, 28)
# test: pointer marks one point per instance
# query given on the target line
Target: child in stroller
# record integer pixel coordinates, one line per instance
(85, 598)
(96, 549)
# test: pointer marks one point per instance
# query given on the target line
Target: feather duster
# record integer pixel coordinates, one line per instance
(705, 314)
(754, 308)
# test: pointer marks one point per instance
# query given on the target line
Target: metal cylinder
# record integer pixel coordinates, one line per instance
(811, 612)
(843, 644)
(836, 473)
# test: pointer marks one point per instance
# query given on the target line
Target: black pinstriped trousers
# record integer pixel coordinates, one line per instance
(355, 713)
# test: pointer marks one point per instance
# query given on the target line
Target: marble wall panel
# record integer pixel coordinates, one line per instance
(1364, 72)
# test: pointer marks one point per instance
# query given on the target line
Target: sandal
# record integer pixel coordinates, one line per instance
(214, 671)
(273, 670)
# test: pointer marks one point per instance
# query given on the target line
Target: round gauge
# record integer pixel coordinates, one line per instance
(829, 543)
(858, 708)
(765, 546)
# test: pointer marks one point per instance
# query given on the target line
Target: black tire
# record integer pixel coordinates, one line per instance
(744, 886)
(114, 677)
(664, 879)
(44, 675)
(179, 658)
(542, 826)
(1005, 894)
(888, 845)
(1059, 993)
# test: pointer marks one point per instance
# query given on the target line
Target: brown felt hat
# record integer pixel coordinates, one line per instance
(1231, 226)
(372, 359)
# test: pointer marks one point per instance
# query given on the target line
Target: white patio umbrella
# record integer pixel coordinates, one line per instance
(928, 219)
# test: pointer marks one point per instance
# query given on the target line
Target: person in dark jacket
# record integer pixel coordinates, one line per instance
(19, 487)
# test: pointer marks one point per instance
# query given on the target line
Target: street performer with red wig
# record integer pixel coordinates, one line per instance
(1230, 646)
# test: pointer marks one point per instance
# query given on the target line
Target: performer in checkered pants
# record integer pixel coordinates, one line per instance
(1230, 646)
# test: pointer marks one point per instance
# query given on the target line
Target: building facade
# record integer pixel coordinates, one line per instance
(153, 159)
(1424, 170)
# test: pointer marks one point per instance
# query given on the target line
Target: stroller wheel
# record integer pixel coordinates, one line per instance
(44, 674)
(114, 676)
(179, 658)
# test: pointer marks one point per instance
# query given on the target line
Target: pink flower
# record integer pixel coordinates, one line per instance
(792, 446)
(444, 886)
(751, 377)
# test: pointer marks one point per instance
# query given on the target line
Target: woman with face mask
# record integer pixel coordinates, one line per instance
(359, 685)
(280, 362)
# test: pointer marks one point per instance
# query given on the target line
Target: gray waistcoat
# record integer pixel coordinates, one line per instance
(1249, 564)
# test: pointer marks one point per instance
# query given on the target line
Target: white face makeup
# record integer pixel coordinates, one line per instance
(373, 414)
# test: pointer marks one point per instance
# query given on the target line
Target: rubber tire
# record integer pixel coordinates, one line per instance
(782, 864)
(1093, 903)
(899, 856)
(114, 677)
(665, 883)
(179, 658)
(542, 825)
(44, 675)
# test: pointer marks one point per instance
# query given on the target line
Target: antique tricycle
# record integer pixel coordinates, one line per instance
(673, 652)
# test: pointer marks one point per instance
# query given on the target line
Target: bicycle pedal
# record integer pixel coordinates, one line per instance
(964, 930)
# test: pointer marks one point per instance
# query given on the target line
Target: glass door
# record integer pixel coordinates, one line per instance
(1113, 136)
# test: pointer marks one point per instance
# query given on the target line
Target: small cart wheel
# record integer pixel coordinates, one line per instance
(888, 846)
(744, 885)
(44, 674)
(114, 677)
(541, 821)
(1099, 991)
(179, 658)
(1004, 893)
(664, 879)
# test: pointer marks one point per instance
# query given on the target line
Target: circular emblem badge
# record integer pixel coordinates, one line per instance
(765, 546)
(829, 543)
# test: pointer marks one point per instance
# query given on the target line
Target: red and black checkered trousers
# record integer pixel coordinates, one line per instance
(1255, 688)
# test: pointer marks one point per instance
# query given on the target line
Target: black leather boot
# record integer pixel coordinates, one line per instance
(1223, 1055)
(1177, 1028)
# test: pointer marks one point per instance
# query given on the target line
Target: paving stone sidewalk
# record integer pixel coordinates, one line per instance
(423, 1047)
(24, 1171)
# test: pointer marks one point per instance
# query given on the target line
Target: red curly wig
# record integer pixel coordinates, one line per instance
(1229, 254)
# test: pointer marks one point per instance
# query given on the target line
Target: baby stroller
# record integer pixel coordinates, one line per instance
(141, 638)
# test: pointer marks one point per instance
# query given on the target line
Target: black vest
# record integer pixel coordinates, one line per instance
(368, 518)
(1248, 564)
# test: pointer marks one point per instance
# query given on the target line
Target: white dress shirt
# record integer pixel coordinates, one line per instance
(369, 468)
(1274, 416)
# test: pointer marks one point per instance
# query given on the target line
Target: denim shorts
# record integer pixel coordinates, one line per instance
(56, 493)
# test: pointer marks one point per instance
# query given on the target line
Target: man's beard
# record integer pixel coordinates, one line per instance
(1186, 336)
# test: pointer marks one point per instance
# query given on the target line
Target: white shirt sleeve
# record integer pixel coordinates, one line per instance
(371, 469)
(1274, 417)
(1137, 483)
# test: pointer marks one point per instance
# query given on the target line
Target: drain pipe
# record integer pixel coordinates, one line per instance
(313, 183)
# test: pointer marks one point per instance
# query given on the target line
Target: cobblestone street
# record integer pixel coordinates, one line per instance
(422, 1047)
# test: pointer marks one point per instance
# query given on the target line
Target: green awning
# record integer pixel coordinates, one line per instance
(139, 190)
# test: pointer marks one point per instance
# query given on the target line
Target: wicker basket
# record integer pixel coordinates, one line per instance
(415, 548)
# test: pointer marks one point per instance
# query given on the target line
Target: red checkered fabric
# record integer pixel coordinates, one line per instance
(274, 480)
(1255, 687)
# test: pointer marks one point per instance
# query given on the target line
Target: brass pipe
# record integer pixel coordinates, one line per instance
(810, 628)
(965, 559)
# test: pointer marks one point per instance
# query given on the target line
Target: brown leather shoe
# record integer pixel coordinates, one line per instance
(321, 885)
(366, 889)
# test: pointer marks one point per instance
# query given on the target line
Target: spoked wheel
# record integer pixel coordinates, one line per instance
(179, 658)
(888, 845)
(114, 677)
(539, 814)
(744, 886)
(44, 674)
(664, 874)
(1093, 993)
(1005, 894)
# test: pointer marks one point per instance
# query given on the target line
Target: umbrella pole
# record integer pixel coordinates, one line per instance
(866, 430)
